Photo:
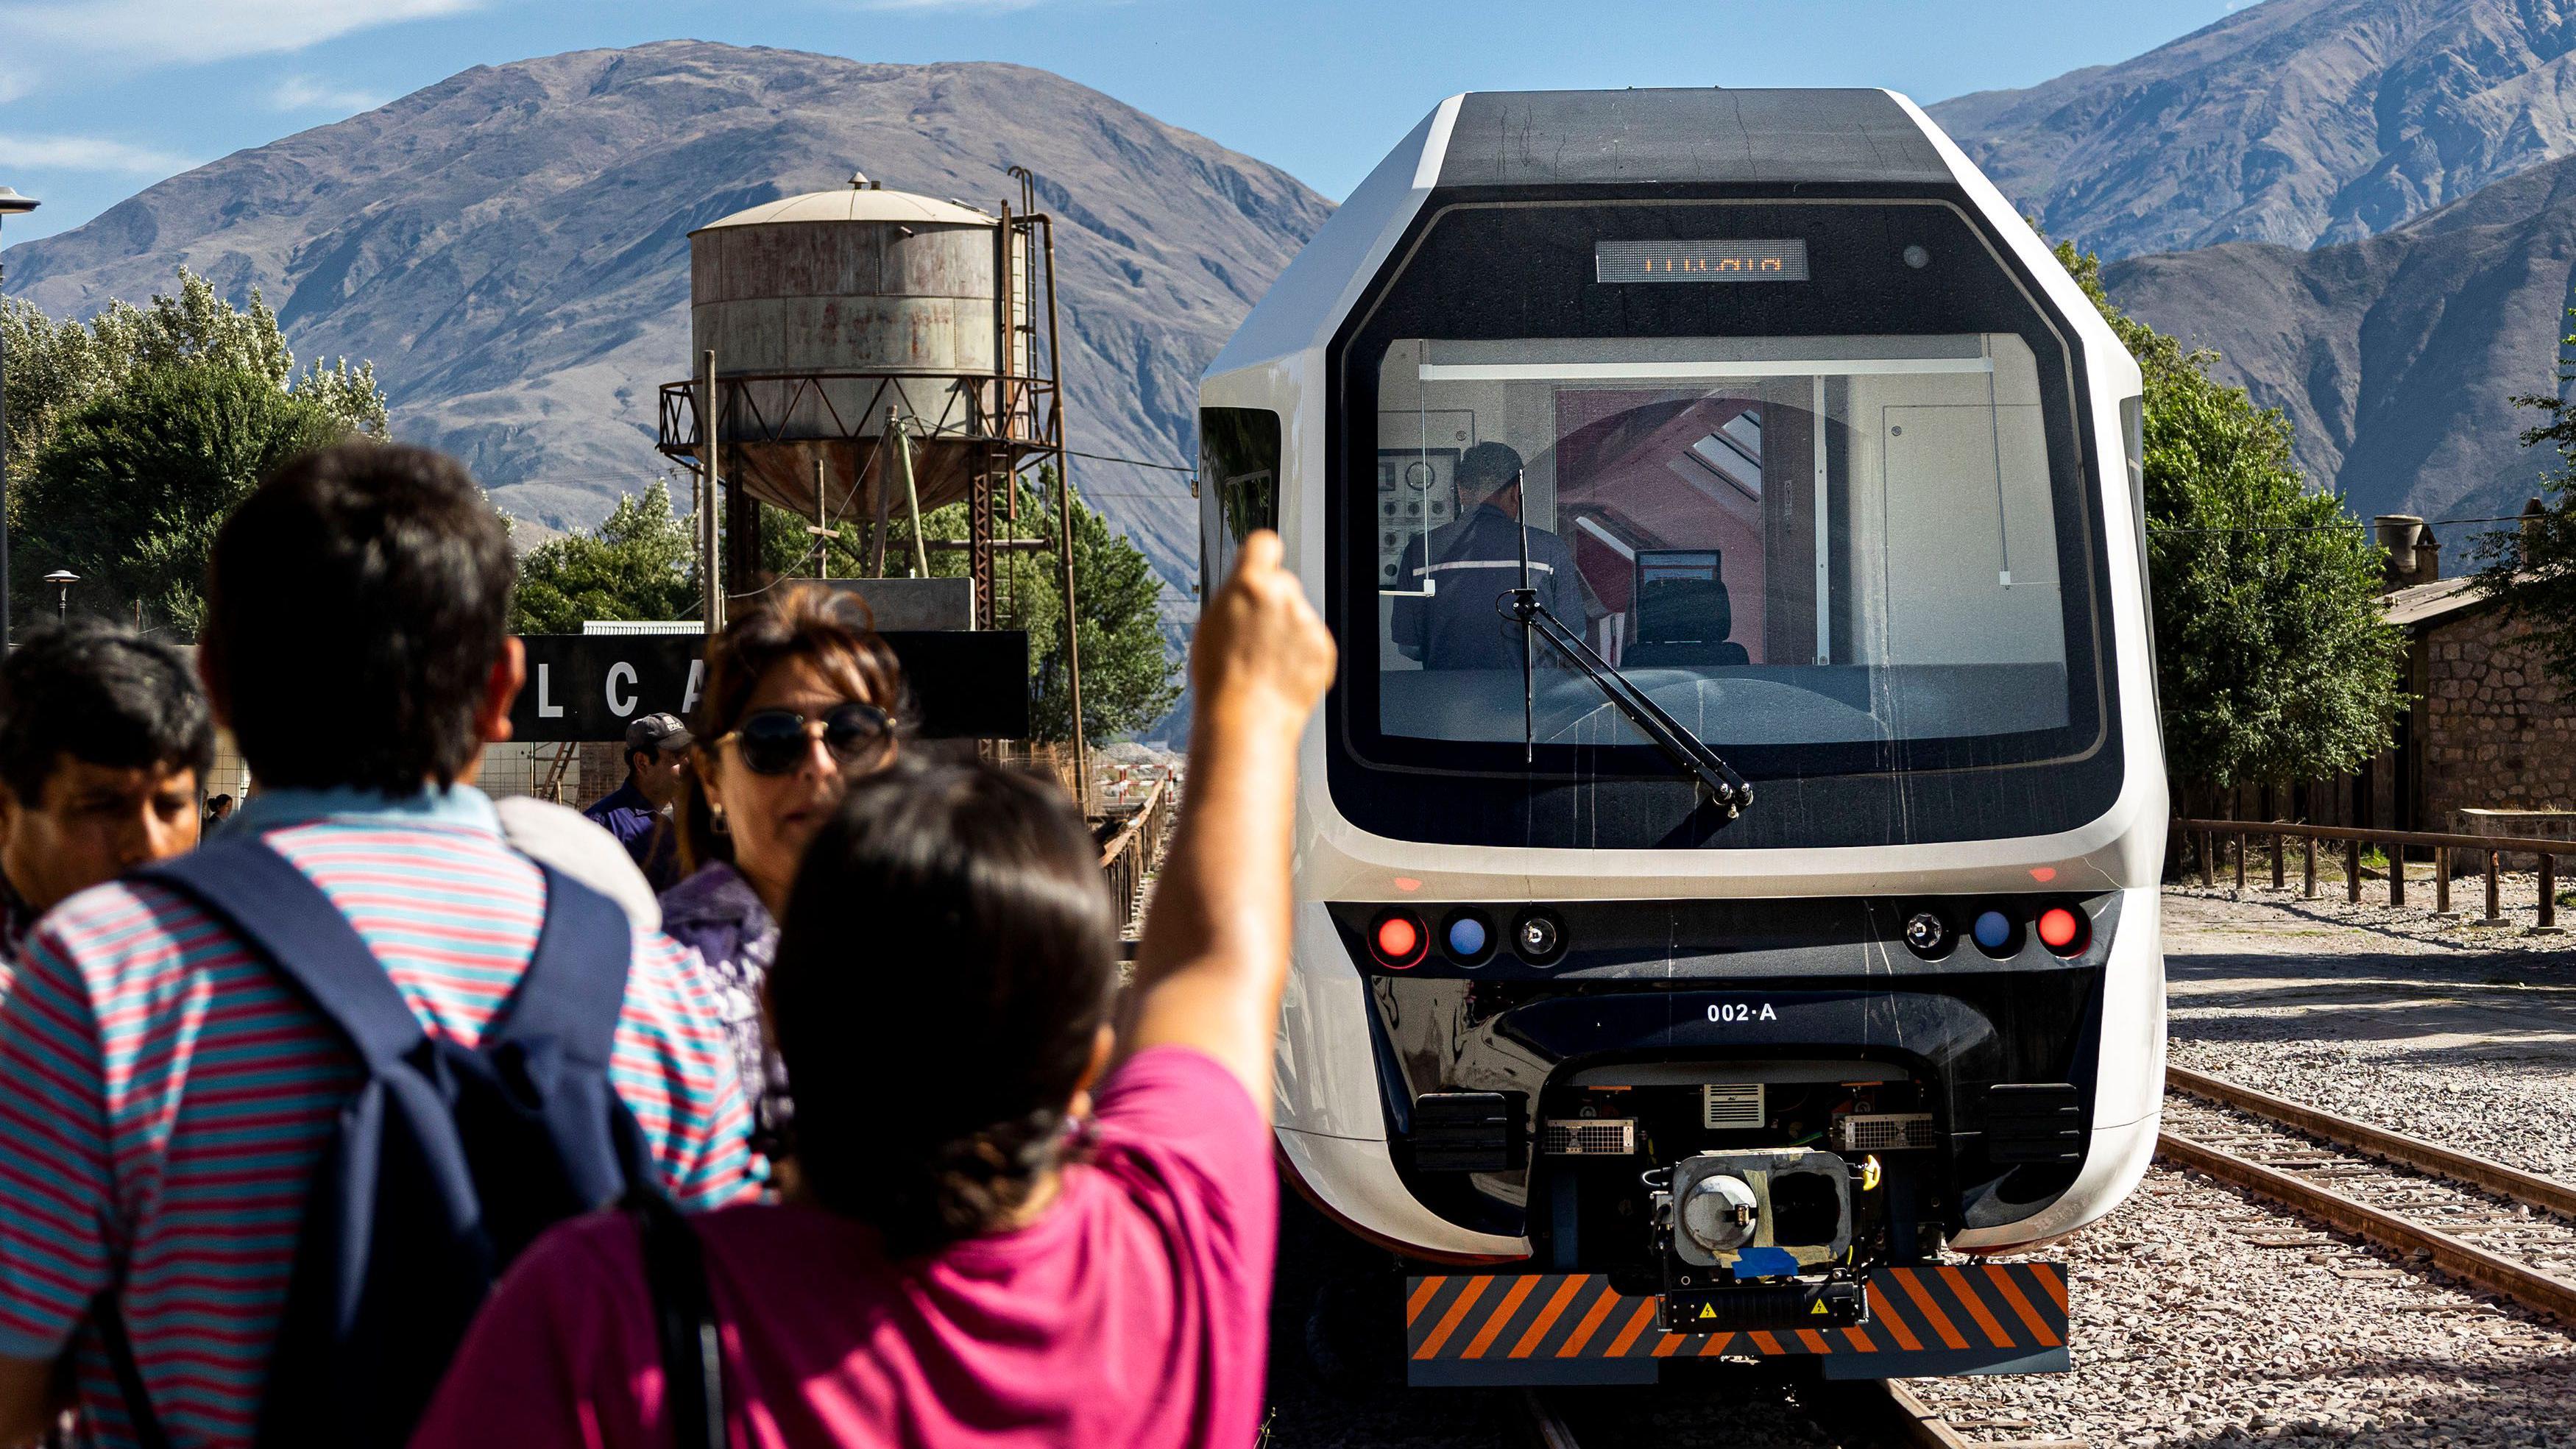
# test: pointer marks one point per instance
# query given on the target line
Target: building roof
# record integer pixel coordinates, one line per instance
(851, 203)
(2426, 603)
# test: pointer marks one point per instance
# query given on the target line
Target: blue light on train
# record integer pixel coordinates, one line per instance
(1467, 938)
(1993, 929)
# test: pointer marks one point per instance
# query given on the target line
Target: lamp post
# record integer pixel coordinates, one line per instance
(11, 204)
(62, 580)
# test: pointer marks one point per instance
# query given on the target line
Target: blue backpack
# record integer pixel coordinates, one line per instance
(446, 1162)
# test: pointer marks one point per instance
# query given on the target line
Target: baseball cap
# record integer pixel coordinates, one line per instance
(657, 732)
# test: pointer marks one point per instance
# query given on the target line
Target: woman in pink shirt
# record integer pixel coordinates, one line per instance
(1009, 1223)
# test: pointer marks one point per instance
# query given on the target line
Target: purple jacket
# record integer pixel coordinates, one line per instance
(716, 916)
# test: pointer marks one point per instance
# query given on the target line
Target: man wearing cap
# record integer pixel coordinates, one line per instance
(1455, 576)
(657, 756)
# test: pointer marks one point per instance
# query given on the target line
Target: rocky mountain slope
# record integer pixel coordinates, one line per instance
(510, 246)
(2295, 122)
(2395, 357)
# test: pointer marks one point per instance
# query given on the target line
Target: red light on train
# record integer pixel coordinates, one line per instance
(1399, 940)
(2061, 930)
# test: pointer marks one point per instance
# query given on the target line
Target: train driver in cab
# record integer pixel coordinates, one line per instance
(1446, 611)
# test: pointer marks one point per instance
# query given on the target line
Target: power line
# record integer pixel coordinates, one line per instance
(1135, 462)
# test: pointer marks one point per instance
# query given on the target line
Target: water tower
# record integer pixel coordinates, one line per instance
(864, 353)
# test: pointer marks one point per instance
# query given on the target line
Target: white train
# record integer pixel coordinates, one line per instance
(1727, 861)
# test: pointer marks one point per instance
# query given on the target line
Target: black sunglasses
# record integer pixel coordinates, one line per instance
(774, 741)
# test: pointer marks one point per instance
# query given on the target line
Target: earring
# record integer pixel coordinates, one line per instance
(716, 820)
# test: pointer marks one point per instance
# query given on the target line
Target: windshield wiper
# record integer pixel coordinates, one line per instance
(1725, 788)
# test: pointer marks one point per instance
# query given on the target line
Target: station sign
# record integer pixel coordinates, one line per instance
(585, 687)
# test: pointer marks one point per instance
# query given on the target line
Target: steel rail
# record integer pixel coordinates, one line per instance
(2493, 1272)
(1547, 1430)
(1908, 1419)
(1856, 1413)
(2531, 1189)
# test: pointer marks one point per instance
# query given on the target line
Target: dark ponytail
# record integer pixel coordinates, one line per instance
(946, 961)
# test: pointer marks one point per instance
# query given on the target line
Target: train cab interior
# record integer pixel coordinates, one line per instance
(1845, 539)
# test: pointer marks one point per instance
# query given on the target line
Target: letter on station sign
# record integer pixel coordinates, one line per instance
(624, 671)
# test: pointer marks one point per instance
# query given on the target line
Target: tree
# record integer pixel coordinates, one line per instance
(2531, 572)
(640, 564)
(2272, 659)
(58, 366)
(132, 485)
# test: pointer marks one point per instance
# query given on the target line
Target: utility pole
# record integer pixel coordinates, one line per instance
(11, 204)
(822, 530)
(710, 570)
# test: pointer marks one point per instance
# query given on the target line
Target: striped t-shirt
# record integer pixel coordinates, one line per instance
(165, 1096)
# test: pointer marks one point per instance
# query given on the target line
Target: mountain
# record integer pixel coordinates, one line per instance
(510, 247)
(2295, 122)
(2394, 357)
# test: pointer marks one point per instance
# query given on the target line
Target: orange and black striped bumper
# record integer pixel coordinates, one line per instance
(1565, 1328)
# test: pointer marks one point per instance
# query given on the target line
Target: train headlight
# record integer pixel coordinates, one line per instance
(1539, 937)
(1469, 937)
(2061, 930)
(1997, 934)
(1398, 940)
(1927, 935)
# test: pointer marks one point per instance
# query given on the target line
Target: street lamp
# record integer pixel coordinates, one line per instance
(11, 204)
(62, 580)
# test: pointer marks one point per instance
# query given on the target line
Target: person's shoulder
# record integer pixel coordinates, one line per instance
(586, 1260)
(124, 920)
(1178, 1096)
(577, 846)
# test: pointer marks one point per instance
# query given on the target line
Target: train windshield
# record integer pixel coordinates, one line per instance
(1793, 541)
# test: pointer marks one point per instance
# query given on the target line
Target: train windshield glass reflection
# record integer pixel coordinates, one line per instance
(1784, 541)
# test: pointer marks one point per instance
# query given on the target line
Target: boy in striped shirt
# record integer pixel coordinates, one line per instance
(165, 1095)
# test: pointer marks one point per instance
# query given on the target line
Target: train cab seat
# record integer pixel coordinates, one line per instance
(1683, 612)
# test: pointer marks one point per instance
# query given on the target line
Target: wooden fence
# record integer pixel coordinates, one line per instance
(2208, 833)
(1131, 851)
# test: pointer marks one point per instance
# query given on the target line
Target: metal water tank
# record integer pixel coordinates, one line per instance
(826, 310)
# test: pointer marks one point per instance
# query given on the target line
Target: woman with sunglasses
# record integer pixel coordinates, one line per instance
(801, 696)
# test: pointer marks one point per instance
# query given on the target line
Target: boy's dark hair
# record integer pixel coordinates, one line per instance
(355, 606)
(962, 908)
(97, 693)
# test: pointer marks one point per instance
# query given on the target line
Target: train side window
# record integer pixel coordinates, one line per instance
(1239, 483)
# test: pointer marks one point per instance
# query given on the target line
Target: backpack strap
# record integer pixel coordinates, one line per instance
(684, 1322)
(574, 989)
(287, 919)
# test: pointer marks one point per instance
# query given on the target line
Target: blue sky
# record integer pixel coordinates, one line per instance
(100, 98)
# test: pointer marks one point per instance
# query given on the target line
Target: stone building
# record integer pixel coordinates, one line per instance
(2487, 733)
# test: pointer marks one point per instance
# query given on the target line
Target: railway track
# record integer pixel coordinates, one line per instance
(1852, 1414)
(2500, 1229)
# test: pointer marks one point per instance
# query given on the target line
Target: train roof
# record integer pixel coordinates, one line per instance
(1685, 137)
(1483, 141)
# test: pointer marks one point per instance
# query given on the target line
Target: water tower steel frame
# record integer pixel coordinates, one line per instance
(988, 426)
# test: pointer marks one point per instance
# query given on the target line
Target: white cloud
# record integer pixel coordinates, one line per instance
(159, 31)
(89, 153)
(12, 86)
(308, 93)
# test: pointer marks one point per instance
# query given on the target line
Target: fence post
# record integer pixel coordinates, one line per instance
(2442, 880)
(2242, 840)
(2352, 871)
(2548, 892)
(2495, 908)
(2308, 870)
(2277, 863)
(2396, 873)
(2206, 845)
